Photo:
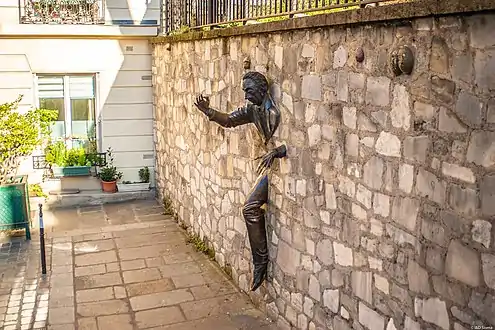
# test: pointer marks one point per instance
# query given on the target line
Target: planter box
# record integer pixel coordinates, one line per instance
(14, 206)
(133, 186)
(71, 171)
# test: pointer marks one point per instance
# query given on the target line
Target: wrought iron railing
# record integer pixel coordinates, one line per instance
(96, 159)
(62, 11)
(178, 15)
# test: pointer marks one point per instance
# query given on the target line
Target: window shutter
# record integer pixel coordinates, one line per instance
(50, 87)
(81, 87)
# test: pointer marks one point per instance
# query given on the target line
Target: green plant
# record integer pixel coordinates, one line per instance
(144, 175)
(20, 135)
(35, 190)
(58, 154)
(168, 207)
(200, 245)
(109, 173)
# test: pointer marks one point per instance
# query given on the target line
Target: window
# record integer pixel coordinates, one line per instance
(74, 98)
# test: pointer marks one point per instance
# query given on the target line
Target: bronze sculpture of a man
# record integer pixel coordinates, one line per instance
(261, 111)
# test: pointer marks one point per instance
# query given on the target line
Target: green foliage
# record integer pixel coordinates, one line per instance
(36, 191)
(168, 206)
(200, 245)
(58, 154)
(144, 174)
(20, 135)
(109, 172)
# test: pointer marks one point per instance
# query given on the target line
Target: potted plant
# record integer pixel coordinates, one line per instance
(67, 162)
(20, 135)
(109, 175)
(142, 185)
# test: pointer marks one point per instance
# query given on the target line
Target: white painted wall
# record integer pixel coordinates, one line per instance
(124, 99)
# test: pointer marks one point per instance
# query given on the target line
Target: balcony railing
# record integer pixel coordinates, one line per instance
(178, 15)
(62, 11)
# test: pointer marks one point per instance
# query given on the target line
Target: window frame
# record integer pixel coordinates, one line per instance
(68, 103)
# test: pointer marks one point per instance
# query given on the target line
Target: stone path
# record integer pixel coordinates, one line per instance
(121, 266)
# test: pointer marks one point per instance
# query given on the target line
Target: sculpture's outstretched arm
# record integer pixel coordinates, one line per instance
(236, 118)
(268, 158)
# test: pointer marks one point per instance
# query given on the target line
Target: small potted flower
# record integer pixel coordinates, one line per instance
(142, 185)
(109, 175)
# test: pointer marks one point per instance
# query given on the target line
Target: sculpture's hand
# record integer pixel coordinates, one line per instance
(203, 104)
(267, 159)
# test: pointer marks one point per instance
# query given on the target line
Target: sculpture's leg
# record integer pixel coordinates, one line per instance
(254, 216)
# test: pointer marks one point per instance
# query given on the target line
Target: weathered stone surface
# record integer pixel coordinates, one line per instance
(481, 150)
(424, 110)
(339, 57)
(462, 67)
(343, 254)
(450, 290)
(363, 196)
(488, 263)
(361, 283)
(469, 108)
(352, 145)
(418, 278)
(442, 89)
(373, 173)
(461, 315)
(94, 295)
(406, 177)
(463, 200)
(324, 251)
(288, 258)
(432, 310)
(122, 321)
(381, 205)
(95, 258)
(107, 307)
(447, 122)
(483, 305)
(311, 88)
(484, 63)
(428, 185)
(487, 192)
(331, 300)
(400, 114)
(159, 317)
(405, 212)
(388, 144)
(369, 318)
(410, 324)
(416, 148)
(349, 117)
(391, 325)
(463, 264)
(459, 172)
(381, 283)
(439, 58)
(378, 91)
(482, 232)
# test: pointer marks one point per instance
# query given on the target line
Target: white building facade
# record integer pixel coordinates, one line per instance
(91, 60)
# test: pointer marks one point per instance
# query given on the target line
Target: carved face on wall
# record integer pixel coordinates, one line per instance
(255, 87)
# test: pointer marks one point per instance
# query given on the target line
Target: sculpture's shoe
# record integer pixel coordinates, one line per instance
(259, 275)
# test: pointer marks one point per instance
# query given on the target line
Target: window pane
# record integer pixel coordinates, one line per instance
(83, 119)
(58, 128)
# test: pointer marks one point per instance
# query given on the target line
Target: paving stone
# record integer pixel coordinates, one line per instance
(160, 299)
(95, 258)
(110, 322)
(92, 295)
(141, 275)
(159, 317)
(90, 270)
(137, 289)
(180, 269)
(61, 315)
(95, 281)
(94, 246)
(107, 307)
(214, 306)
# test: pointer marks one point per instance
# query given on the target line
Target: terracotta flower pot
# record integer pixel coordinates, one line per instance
(109, 187)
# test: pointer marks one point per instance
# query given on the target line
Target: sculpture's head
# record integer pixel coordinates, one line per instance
(255, 87)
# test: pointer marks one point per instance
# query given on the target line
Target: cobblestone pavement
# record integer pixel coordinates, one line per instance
(120, 266)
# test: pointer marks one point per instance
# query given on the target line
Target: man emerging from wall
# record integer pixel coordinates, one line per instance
(261, 111)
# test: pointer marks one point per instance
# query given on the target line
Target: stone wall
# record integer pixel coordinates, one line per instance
(382, 215)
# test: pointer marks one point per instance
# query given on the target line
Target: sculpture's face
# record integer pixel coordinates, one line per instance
(253, 93)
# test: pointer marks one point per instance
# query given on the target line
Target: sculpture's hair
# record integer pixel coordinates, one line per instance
(259, 80)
